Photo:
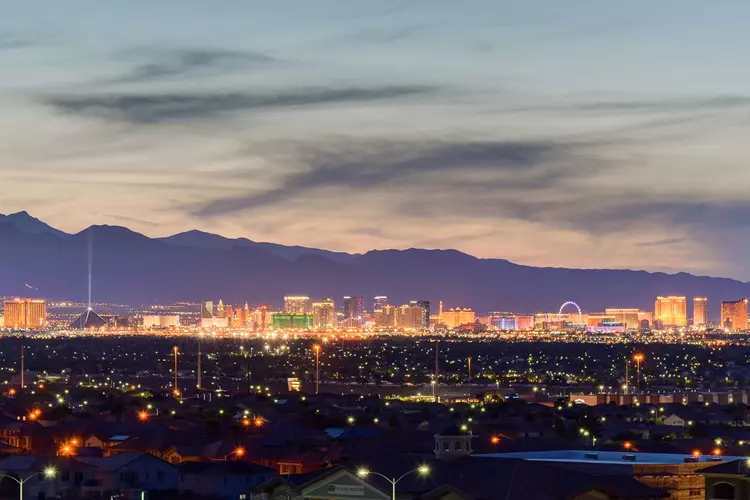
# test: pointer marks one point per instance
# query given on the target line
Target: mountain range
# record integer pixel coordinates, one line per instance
(127, 267)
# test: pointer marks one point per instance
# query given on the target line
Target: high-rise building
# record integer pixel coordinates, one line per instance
(297, 304)
(385, 317)
(734, 314)
(409, 316)
(207, 309)
(25, 313)
(626, 316)
(220, 309)
(671, 311)
(354, 309)
(700, 311)
(324, 313)
(425, 305)
(379, 302)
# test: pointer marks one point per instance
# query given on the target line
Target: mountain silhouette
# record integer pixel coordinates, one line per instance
(128, 267)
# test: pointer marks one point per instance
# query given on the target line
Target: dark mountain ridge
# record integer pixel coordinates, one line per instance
(132, 268)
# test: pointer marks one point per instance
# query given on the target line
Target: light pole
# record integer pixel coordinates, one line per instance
(316, 347)
(198, 384)
(176, 387)
(49, 472)
(422, 470)
(638, 358)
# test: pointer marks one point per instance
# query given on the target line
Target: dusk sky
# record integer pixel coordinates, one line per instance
(553, 133)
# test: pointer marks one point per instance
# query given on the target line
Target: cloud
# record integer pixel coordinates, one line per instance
(145, 109)
(663, 105)
(164, 64)
(514, 164)
(379, 36)
(10, 41)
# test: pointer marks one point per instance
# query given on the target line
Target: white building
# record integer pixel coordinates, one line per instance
(161, 321)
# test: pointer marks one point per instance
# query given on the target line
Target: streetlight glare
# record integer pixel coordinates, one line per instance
(363, 472)
(423, 469)
(50, 472)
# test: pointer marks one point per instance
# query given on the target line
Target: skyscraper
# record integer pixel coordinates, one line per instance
(25, 313)
(671, 311)
(297, 305)
(324, 313)
(425, 305)
(700, 311)
(207, 309)
(379, 303)
(354, 309)
(734, 314)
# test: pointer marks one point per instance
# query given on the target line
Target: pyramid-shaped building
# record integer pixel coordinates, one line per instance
(88, 319)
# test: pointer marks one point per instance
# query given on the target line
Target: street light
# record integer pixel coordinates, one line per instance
(638, 358)
(316, 348)
(49, 473)
(238, 452)
(422, 470)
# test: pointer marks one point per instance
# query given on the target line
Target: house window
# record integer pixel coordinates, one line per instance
(65, 477)
(243, 496)
(446, 446)
(723, 491)
(457, 446)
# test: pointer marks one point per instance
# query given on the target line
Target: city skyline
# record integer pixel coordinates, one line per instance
(568, 139)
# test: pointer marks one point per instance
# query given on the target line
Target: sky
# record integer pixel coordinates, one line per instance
(582, 133)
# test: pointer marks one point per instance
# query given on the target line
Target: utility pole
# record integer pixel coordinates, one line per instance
(317, 368)
(437, 372)
(469, 371)
(198, 385)
(23, 369)
(176, 387)
(627, 375)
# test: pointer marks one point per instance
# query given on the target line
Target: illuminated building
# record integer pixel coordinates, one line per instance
(25, 313)
(324, 313)
(700, 311)
(734, 314)
(627, 316)
(671, 311)
(525, 322)
(220, 309)
(505, 323)
(297, 305)
(354, 310)
(646, 316)
(409, 316)
(161, 321)
(260, 316)
(386, 317)
(457, 317)
(207, 309)
(425, 305)
(284, 321)
(597, 319)
(215, 322)
(379, 302)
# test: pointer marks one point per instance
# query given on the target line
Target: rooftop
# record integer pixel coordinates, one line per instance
(608, 457)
